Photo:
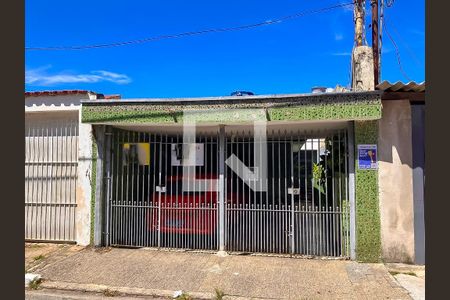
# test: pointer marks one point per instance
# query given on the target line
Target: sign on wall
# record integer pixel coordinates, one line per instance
(136, 153)
(367, 157)
(187, 154)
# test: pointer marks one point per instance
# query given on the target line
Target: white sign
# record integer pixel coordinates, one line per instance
(184, 154)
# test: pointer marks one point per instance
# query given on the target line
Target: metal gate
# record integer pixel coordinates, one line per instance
(51, 160)
(148, 206)
(305, 209)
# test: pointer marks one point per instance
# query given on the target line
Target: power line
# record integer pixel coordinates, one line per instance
(410, 52)
(191, 33)
(397, 52)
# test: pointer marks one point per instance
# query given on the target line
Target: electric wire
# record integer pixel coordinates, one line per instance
(397, 52)
(191, 33)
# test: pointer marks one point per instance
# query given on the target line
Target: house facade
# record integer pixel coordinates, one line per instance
(324, 174)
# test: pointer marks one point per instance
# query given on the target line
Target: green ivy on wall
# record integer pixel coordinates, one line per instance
(324, 107)
(93, 186)
(368, 234)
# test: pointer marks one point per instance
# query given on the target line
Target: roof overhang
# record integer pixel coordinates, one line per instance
(412, 91)
(213, 110)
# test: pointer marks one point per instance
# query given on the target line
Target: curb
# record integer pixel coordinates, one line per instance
(127, 291)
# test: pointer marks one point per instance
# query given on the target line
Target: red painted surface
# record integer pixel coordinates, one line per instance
(186, 212)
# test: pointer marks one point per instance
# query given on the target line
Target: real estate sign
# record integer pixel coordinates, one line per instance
(367, 157)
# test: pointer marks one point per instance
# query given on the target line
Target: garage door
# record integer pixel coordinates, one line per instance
(51, 160)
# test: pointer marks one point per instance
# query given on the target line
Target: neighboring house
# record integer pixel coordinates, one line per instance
(147, 182)
(401, 142)
(57, 173)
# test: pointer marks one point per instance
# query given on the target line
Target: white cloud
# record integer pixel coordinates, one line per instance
(341, 53)
(40, 77)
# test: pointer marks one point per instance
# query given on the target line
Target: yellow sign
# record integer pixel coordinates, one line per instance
(136, 153)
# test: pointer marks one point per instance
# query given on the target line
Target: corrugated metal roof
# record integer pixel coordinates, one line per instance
(386, 86)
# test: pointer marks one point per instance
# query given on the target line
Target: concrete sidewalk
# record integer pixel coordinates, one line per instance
(160, 273)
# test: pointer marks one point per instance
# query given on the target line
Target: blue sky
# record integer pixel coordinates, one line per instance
(287, 57)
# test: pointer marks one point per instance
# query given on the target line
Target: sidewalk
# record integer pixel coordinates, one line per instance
(148, 272)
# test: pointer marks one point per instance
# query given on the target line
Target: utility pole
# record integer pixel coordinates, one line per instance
(375, 39)
(362, 55)
(359, 22)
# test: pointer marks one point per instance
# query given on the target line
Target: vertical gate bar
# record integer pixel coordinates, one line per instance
(60, 177)
(239, 184)
(333, 248)
(63, 177)
(285, 237)
(159, 193)
(164, 179)
(134, 193)
(172, 239)
(221, 188)
(304, 237)
(71, 209)
(147, 199)
(39, 174)
(27, 177)
(58, 210)
(277, 222)
(51, 163)
(347, 224)
(58, 180)
(108, 167)
(136, 199)
(139, 194)
(126, 207)
(143, 205)
(297, 237)
(351, 186)
(253, 201)
(211, 200)
(120, 207)
(46, 160)
(33, 181)
(340, 195)
(66, 149)
(59, 157)
(29, 198)
(326, 204)
(67, 191)
(229, 182)
(114, 219)
(315, 226)
(48, 183)
(152, 191)
(74, 194)
(313, 198)
(272, 205)
(292, 229)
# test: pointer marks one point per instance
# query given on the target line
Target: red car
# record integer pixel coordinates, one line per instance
(184, 212)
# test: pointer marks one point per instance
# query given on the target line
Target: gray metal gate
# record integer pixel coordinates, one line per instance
(305, 209)
(147, 206)
(51, 160)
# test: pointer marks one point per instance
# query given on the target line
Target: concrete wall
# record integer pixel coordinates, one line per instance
(83, 212)
(396, 183)
(43, 108)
